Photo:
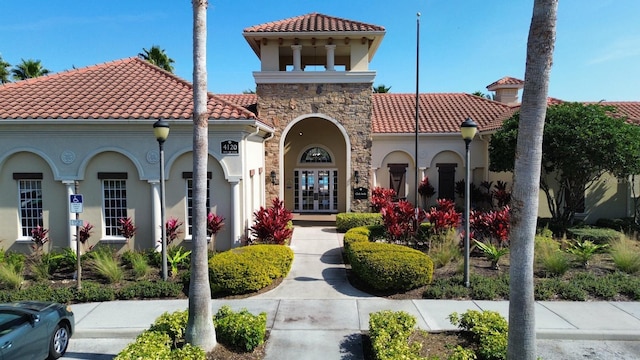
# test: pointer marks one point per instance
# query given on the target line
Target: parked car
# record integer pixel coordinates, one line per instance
(34, 330)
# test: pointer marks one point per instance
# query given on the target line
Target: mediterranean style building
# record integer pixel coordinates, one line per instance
(314, 134)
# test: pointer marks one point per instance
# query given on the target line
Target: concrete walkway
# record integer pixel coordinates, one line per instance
(315, 313)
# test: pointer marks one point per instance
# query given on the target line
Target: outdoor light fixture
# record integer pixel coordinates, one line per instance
(161, 132)
(468, 130)
(356, 175)
(274, 179)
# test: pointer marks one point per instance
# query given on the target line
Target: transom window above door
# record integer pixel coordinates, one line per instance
(315, 155)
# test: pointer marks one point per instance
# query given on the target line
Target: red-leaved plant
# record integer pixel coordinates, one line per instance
(271, 225)
(443, 217)
(491, 226)
(39, 238)
(84, 233)
(172, 228)
(400, 221)
(501, 194)
(214, 224)
(381, 197)
(425, 188)
(126, 228)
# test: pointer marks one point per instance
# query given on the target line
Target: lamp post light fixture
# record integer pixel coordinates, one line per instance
(161, 132)
(468, 130)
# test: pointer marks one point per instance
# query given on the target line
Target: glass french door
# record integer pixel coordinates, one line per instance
(316, 190)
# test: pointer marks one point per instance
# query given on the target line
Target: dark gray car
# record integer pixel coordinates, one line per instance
(34, 330)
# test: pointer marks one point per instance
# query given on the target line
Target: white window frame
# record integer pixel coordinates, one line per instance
(188, 185)
(110, 231)
(33, 185)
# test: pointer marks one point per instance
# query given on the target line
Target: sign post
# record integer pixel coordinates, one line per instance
(75, 206)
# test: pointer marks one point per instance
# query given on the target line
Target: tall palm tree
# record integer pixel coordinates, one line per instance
(28, 69)
(4, 71)
(526, 180)
(381, 89)
(200, 331)
(158, 57)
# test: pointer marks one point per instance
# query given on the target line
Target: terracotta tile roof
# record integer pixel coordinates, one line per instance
(124, 89)
(439, 113)
(630, 109)
(506, 81)
(313, 22)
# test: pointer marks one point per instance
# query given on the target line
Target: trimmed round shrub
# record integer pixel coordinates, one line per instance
(390, 266)
(357, 234)
(347, 221)
(249, 268)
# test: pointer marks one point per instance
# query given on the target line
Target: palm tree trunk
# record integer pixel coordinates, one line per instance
(540, 45)
(200, 331)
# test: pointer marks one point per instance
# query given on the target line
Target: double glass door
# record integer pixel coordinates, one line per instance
(316, 190)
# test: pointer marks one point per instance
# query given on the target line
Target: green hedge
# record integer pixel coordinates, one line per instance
(248, 268)
(595, 235)
(389, 266)
(389, 332)
(346, 221)
(241, 330)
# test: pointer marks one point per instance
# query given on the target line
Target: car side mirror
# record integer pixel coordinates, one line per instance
(35, 318)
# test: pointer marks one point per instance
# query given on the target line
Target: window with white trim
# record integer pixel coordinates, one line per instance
(29, 201)
(114, 201)
(188, 176)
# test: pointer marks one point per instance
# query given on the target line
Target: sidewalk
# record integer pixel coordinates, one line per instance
(315, 311)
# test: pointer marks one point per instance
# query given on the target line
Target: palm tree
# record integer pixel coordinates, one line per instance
(28, 69)
(526, 184)
(157, 57)
(381, 89)
(200, 331)
(4, 71)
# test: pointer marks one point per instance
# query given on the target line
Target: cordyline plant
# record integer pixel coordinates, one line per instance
(126, 228)
(39, 238)
(84, 233)
(443, 217)
(425, 188)
(172, 228)
(271, 225)
(214, 224)
(381, 197)
(400, 221)
(491, 226)
(501, 194)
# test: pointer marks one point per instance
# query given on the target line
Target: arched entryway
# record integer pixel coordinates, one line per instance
(315, 157)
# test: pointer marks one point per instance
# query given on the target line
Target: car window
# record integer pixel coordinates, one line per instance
(10, 321)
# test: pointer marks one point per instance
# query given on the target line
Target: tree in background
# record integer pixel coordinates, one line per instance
(4, 71)
(526, 175)
(200, 331)
(482, 95)
(380, 89)
(581, 143)
(28, 69)
(158, 57)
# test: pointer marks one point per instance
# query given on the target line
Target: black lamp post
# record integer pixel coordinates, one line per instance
(161, 132)
(468, 130)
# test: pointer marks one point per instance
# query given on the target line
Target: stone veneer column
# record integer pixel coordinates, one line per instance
(349, 104)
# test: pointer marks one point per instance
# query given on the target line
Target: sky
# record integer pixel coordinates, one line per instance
(464, 45)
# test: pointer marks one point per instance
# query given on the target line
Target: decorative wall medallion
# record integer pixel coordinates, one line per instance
(68, 156)
(153, 157)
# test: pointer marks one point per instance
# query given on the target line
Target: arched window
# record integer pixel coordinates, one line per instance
(315, 155)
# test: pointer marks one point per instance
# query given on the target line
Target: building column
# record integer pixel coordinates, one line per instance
(331, 57)
(70, 185)
(156, 217)
(236, 221)
(296, 57)
(374, 177)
